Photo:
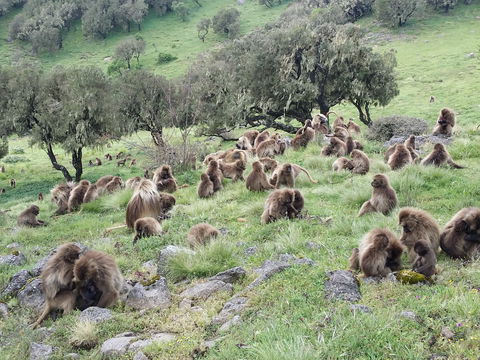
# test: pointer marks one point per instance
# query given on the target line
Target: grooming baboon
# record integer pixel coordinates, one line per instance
(341, 164)
(320, 124)
(244, 144)
(133, 182)
(13, 183)
(233, 155)
(373, 252)
(460, 238)
(98, 162)
(426, 258)
(264, 135)
(40, 196)
(103, 181)
(445, 123)
(91, 194)
(215, 175)
(257, 180)
(440, 156)
(214, 156)
(201, 234)
(384, 197)
(304, 136)
(234, 170)
(133, 162)
(336, 147)
(268, 148)
(145, 202)
(119, 155)
(360, 162)
(297, 205)
(146, 227)
(76, 196)
(418, 225)
(341, 132)
(108, 157)
(269, 164)
(57, 281)
(400, 157)
(352, 127)
(164, 179)
(60, 195)
(205, 188)
(283, 175)
(28, 217)
(251, 135)
(279, 204)
(100, 269)
(113, 185)
(121, 162)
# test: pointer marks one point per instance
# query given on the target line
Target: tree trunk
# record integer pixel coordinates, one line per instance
(361, 114)
(157, 137)
(128, 26)
(367, 111)
(56, 165)
(77, 164)
(128, 64)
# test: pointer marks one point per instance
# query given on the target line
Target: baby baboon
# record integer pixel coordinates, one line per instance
(418, 225)
(201, 234)
(284, 175)
(57, 281)
(297, 205)
(279, 204)
(108, 157)
(215, 175)
(264, 135)
(146, 227)
(336, 148)
(244, 144)
(461, 237)
(145, 202)
(342, 163)
(60, 195)
(90, 163)
(77, 195)
(205, 188)
(98, 162)
(426, 258)
(133, 162)
(384, 197)
(251, 135)
(400, 157)
(113, 185)
(121, 162)
(100, 269)
(440, 156)
(28, 217)
(133, 182)
(269, 164)
(257, 180)
(360, 162)
(445, 123)
(40, 196)
(103, 181)
(267, 148)
(374, 251)
(119, 155)
(352, 127)
(13, 183)
(91, 194)
(234, 170)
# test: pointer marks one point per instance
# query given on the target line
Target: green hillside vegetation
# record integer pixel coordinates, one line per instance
(288, 316)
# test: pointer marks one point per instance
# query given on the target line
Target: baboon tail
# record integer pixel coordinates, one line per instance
(455, 165)
(308, 174)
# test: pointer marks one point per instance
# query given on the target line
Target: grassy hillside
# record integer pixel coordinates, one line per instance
(166, 34)
(288, 316)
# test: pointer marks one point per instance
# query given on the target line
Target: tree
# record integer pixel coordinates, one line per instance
(226, 22)
(130, 48)
(132, 11)
(397, 12)
(446, 5)
(98, 19)
(181, 10)
(202, 28)
(269, 3)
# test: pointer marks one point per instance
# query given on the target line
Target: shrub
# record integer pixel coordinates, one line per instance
(226, 22)
(11, 159)
(84, 335)
(164, 58)
(396, 125)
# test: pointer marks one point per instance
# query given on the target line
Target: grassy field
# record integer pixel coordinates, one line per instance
(288, 316)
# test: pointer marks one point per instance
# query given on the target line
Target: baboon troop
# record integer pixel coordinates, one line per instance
(445, 123)
(201, 235)
(28, 217)
(146, 227)
(384, 197)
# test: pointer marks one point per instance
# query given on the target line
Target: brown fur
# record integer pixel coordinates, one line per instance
(215, 175)
(251, 135)
(297, 169)
(257, 180)
(320, 124)
(164, 179)
(426, 258)
(461, 237)
(244, 143)
(418, 225)
(28, 217)
(145, 202)
(264, 135)
(350, 144)
(98, 162)
(77, 195)
(133, 182)
(269, 164)
(384, 197)
(13, 183)
(146, 227)
(91, 193)
(234, 170)
(339, 122)
(201, 234)
(205, 188)
(410, 142)
(214, 156)
(230, 156)
(57, 281)
(2, 169)
(102, 183)
(357, 145)
(279, 204)
(440, 156)
(342, 163)
(445, 123)
(40, 196)
(119, 155)
(114, 185)
(284, 175)
(268, 148)
(400, 157)
(352, 127)
(341, 132)
(353, 260)
(108, 157)
(133, 162)
(336, 147)
(297, 205)
(360, 162)
(60, 195)
(304, 136)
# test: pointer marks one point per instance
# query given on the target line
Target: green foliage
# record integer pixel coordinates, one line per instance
(116, 67)
(130, 48)
(12, 159)
(445, 5)
(181, 9)
(3, 147)
(386, 127)
(355, 9)
(269, 3)
(202, 28)
(227, 22)
(164, 58)
(397, 12)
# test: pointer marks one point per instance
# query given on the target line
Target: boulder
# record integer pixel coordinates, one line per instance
(3, 310)
(231, 275)
(206, 289)
(40, 351)
(157, 338)
(16, 283)
(234, 306)
(167, 253)
(32, 296)
(156, 295)
(118, 345)
(13, 260)
(232, 322)
(342, 285)
(95, 314)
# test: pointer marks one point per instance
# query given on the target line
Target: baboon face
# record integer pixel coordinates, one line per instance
(166, 172)
(408, 223)
(439, 147)
(289, 197)
(380, 241)
(204, 177)
(213, 164)
(84, 182)
(241, 165)
(70, 253)
(471, 228)
(288, 168)
(379, 181)
(421, 248)
(35, 210)
(257, 166)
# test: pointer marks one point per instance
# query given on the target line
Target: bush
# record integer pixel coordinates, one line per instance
(11, 159)
(227, 22)
(397, 12)
(396, 125)
(164, 58)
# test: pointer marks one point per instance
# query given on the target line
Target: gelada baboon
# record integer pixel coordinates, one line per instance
(40, 196)
(339, 122)
(360, 162)
(201, 234)
(268, 148)
(133, 162)
(251, 135)
(418, 225)
(342, 163)
(145, 202)
(336, 147)
(103, 181)
(280, 204)
(284, 175)
(244, 144)
(352, 127)
(100, 269)
(234, 170)
(320, 124)
(113, 185)
(257, 180)
(133, 182)
(400, 157)
(121, 162)
(297, 206)
(410, 142)
(214, 156)
(91, 194)
(461, 237)
(445, 123)
(28, 217)
(426, 258)
(304, 136)
(146, 227)
(215, 175)
(384, 197)
(269, 164)
(2, 169)
(77, 195)
(98, 162)
(205, 188)
(108, 157)
(350, 145)
(13, 183)
(119, 155)
(60, 195)
(90, 163)
(57, 281)
(164, 179)
(440, 156)
(341, 132)
(264, 135)
(233, 155)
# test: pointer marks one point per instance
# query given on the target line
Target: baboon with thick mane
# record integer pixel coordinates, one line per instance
(460, 239)
(77, 194)
(360, 162)
(264, 135)
(60, 195)
(91, 194)
(400, 157)
(28, 217)
(440, 156)
(251, 135)
(164, 179)
(384, 197)
(146, 227)
(445, 123)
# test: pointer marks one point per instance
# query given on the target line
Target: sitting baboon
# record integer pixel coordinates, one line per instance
(257, 180)
(400, 157)
(146, 227)
(119, 155)
(264, 135)
(360, 162)
(445, 123)
(205, 188)
(425, 260)
(320, 124)
(132, 183)
(352, 127)
(201, 234)
(214, 156)
(2, 169)
(350, 145)
(336, 147)
(121, 162)
(114, 185)
(339, 122)
(418, 225)
(304, 136)
(13, 183)
(269, 164)
(279, 204)
(341, 133)
(432, 99)
(40, 196)
(342, 163)
(91, 194)
(251, 135)
(460, 239)
(98, 162)
(133, 162)
(90, 163)
(297, 205)
(244, 144)
(108, 157)
(233, 155)
(215, 175)
(60, 195)
(410, 142)
(164, 179)
(440, 156)
(234, 170)
(102, 182)
(77, 194)
(284, 175)
(28, 217)
(268, 148)
(384, 197)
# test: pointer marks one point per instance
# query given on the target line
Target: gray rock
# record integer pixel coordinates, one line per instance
(44, 333)
(447, 333)
(360, 308)
(150, 266)
(40, 351)
(250, 251)
(342, 285)
(13, 245)
(206, 289)
(312, 245)
(32, 296)
(304, 261)
(378, 279)
(72, 356)
(231, 275)
(117, 346)
(409, 315)
(140, 356)
(167, 253)
(287, 258)
(157, 338)
(3, 310)
(17, 282)
(232, 322)
(95, 314)
(438, 357)
(156, 295)
(185, 304)
(37, 269)
(13, 260)
(224, 231)
(234, 306)
(267, 270)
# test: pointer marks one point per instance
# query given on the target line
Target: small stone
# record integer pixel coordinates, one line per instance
(232, 322)
(267, 270)
(185, 304)
(287, 258)
(37, 269)
(206, 289)
(470, 55)
(32, 296)
(360, 308)
(156, 295)
(409, 315)
(252, 250)
(304, 261)
(13, 260)
(3, 310)
(72, 356)
(140, 356)
(157, 338)
(40, 351)
(234, 306)
(117, 346)
(312, 245)
(17, 282)
(44, 333)
(167, 253)
(224, 231)
(342, 285)
(447, 333)
(231, 275)
(13, 245)
(95, 314)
